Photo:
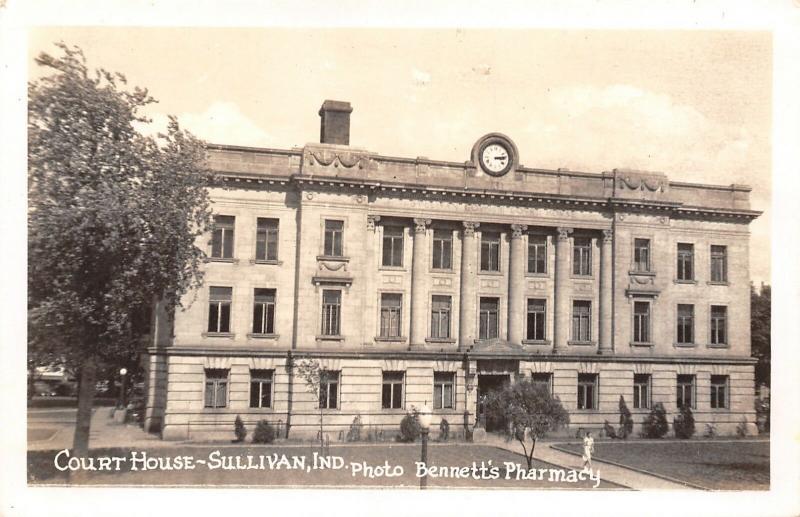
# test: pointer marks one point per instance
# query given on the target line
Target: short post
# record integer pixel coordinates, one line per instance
(121, 396)
(424, 416)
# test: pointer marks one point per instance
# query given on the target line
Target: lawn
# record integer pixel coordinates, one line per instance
(41, 469)
(716, 465)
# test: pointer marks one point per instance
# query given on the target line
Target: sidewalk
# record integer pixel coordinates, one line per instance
(613, 473)
(104, 433)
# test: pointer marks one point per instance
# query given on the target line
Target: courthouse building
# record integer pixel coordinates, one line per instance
(414, 281)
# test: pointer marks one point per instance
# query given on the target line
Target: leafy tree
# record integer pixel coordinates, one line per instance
(760, 314)
(530, 412)
(625, 419)
(113, 220)
(315, 377)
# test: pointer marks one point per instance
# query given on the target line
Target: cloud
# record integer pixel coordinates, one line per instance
(593, 129)
(600, 128)
(221, 122)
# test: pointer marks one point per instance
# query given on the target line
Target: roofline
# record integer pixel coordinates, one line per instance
(298, 151)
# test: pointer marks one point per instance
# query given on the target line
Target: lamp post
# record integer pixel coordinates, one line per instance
(424, 416)
(121, 398)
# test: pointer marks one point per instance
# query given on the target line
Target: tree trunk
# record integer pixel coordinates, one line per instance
(83, 422)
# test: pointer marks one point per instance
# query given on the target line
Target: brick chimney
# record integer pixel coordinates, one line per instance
(335, 122)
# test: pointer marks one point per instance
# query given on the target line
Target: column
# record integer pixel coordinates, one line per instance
(419, 291)
(467, 308)
(606, 293)
(372, 261)
(516, 284)
(562, 291)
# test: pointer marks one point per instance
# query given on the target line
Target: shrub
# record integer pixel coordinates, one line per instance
(683, 423)
(655, 424)
(625, 419)
(711, 430)
(741, 428)
(239, 430)
(444, 430)
(354, 434)
(409, 428)
(609, 430)
(264, 433)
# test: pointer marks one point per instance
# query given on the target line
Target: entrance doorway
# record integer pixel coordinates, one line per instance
(488, 383)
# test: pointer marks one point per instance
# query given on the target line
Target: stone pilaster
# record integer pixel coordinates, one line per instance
(419, 291)
(562, 289)
(606, 293)
(467, 308)
(516, 284)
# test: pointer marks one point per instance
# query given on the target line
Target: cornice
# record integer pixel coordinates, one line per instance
(440, 354)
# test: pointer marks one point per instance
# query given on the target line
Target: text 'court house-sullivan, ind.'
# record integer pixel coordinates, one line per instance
(416, 281)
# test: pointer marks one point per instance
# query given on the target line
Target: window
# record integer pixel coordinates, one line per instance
(442, 249)
(328, 390)
(222, 237)
(392, 246)
(391, 306)
(581, 321)
(686, 391)
(490, 251)
(641, 391)
(392, 397)
(536, 319)
(443, 390)
(719, 392)
(263, 311)
(266, 239)
(219, 310)
(582, 256)
(440, 317)
(545, 380)
(216, 392)
(488, 318)
(719, 320)
(261, 388)
(641, 255)
(685, 261)
(331, 312)
(685, 324)
(587, 391)
(719, 264)
(641, 322)
(334, 231)
(537, 254)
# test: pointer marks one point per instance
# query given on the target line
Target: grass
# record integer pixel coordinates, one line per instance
(41, 469)
(716, 465)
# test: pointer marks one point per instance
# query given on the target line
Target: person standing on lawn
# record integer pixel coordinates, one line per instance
(588, 450)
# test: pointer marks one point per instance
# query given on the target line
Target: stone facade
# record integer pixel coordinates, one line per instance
(417, 235)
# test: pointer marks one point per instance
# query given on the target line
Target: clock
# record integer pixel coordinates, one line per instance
(495, 153)
(495, 158)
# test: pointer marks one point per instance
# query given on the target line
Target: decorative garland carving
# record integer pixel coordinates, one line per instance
(329, 157)
(608, 236)
(640, 183)
(332, 266)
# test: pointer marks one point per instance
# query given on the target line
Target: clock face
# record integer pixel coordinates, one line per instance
(495, 158)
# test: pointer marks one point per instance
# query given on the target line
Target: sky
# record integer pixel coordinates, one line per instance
(695, 105)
